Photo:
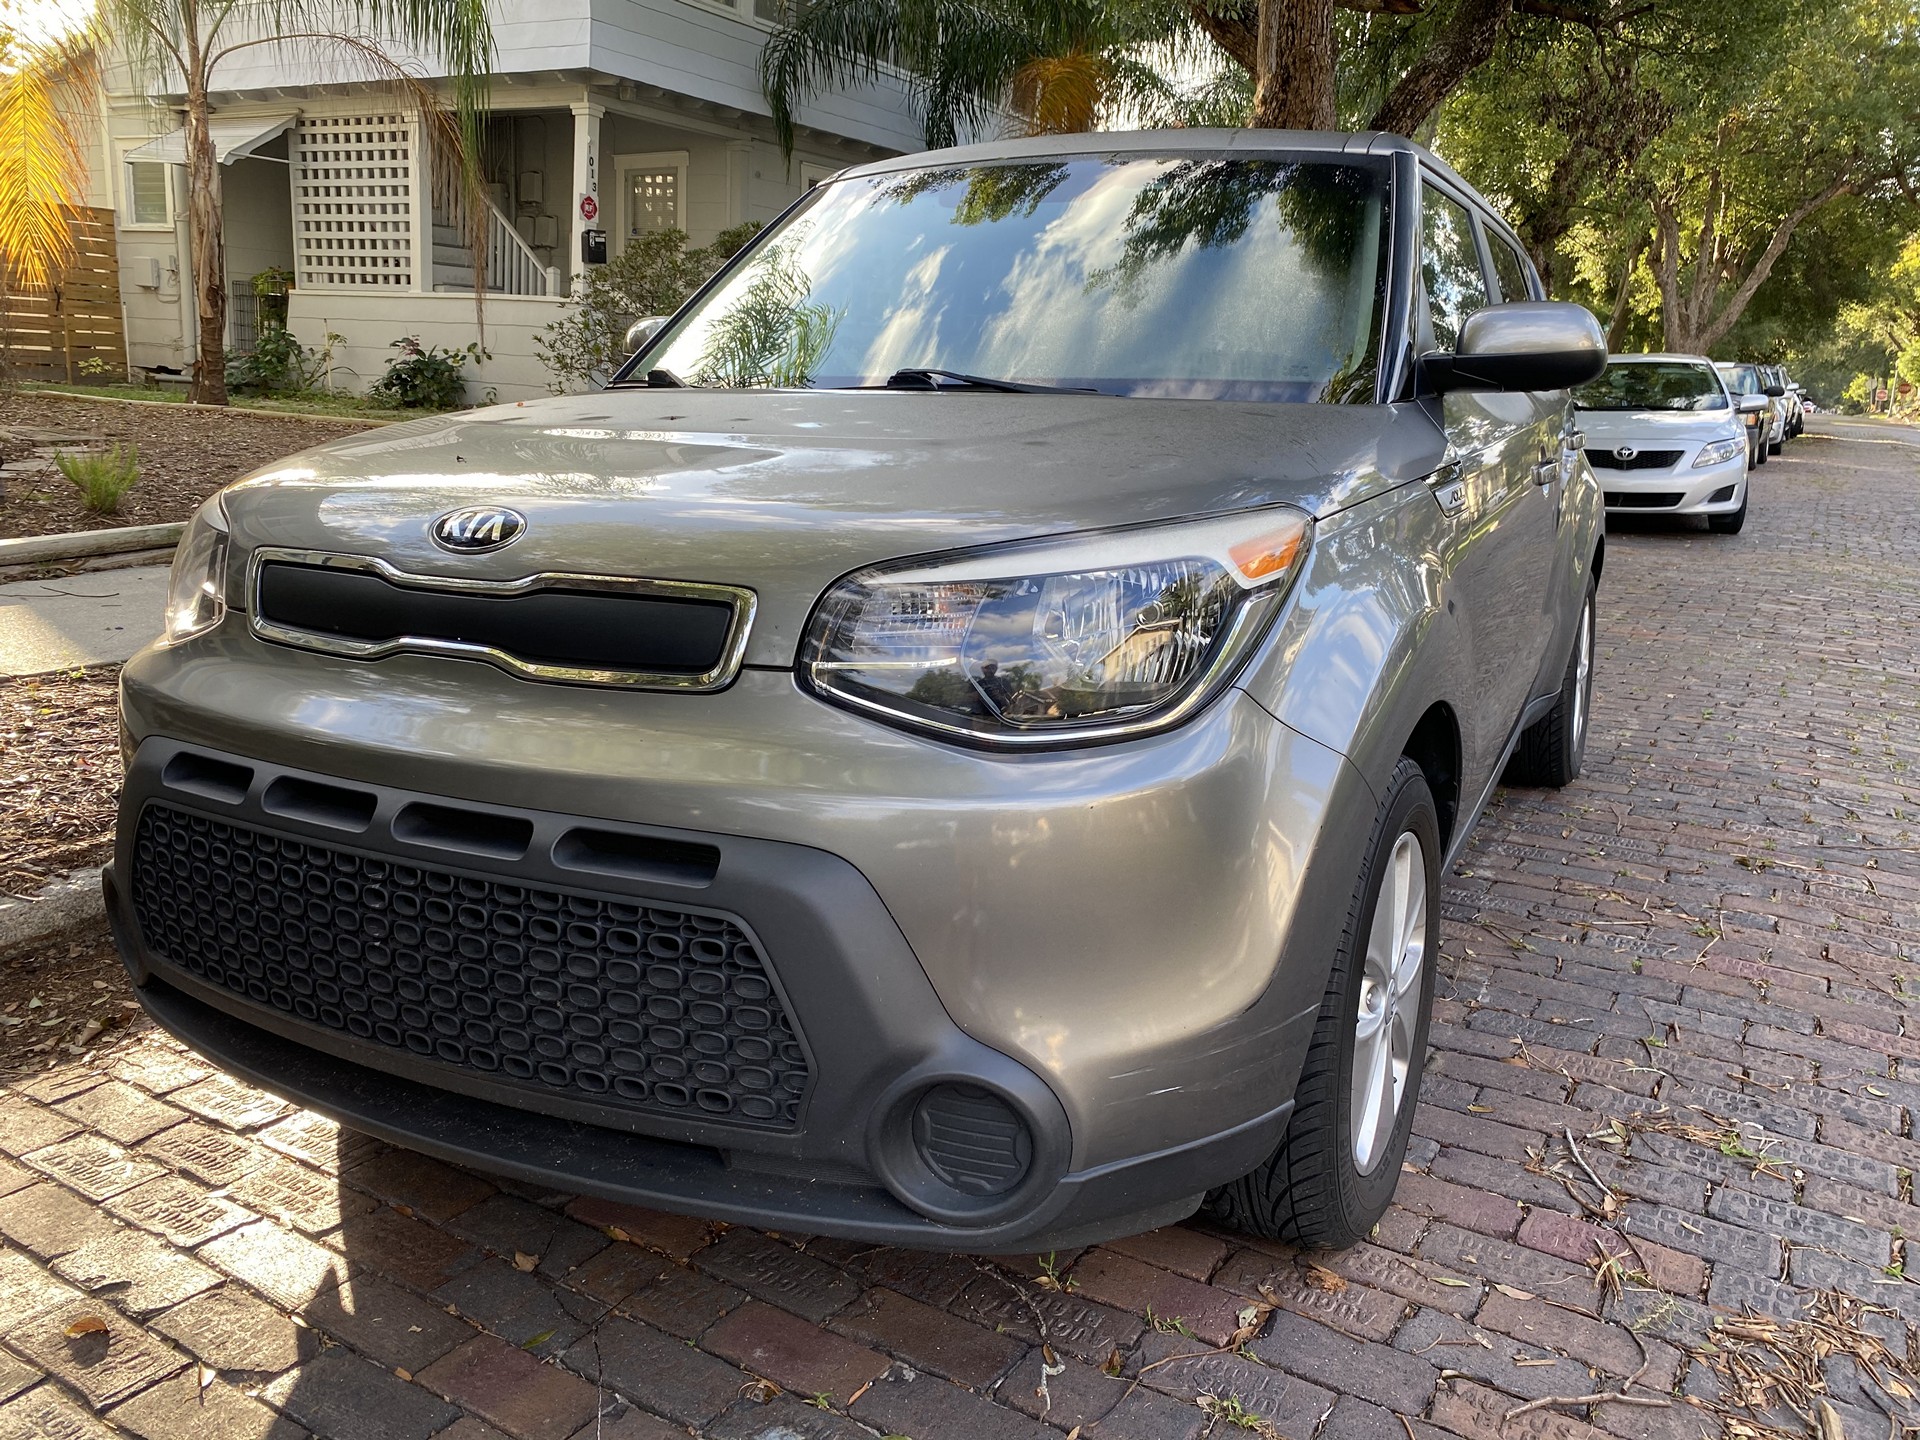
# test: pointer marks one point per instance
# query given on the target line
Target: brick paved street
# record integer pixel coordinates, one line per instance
(1667, 1134)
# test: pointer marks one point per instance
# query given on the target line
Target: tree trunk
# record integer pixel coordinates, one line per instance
(1465, 45)
(1293, 81)
(1622, 306)
(1694, 329)
(205, 238)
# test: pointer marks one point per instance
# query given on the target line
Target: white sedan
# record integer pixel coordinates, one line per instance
(1665, 436)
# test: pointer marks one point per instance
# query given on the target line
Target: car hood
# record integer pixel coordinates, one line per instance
(784, 492)
(1650, 429)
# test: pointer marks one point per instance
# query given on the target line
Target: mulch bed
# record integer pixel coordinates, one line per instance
(185, 455)
(59, 775)
(60, 1000)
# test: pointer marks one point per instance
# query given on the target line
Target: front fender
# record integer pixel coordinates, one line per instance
(1372, 639)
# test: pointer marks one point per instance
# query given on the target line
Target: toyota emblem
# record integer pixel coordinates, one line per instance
(1626, 452)
(477, 529)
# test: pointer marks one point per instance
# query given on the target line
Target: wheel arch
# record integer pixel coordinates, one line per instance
(1434, 746)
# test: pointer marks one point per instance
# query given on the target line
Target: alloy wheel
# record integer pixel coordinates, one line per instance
(1583, 678)
(1391, 985)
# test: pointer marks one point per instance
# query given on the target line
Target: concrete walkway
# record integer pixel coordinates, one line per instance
(87, 619)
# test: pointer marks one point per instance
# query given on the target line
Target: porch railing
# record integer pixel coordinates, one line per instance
(513, 267)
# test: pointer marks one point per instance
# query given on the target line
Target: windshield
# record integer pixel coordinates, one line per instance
(1642, 386)
(1741, 379)
(1205, 277)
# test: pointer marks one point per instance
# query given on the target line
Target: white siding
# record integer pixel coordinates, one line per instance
(372, 322)
(680, 45)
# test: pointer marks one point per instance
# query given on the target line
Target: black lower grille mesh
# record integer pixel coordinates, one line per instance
(627, 1005)
(1644, 499)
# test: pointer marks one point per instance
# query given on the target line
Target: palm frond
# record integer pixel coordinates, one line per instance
(46, 86)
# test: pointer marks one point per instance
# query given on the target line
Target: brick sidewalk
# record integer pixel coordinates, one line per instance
(1666, 1134)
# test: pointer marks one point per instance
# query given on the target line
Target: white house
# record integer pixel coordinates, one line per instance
(616, 115)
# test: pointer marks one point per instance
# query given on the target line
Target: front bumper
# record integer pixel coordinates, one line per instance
(1681, 490)
(999, 925)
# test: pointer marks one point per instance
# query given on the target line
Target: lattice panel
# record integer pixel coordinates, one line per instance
(355, 184)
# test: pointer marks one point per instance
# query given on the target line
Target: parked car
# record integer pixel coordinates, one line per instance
(1784, 409)
(957, 746)
(1796, 408)
(1753, 397)
(1665, 436)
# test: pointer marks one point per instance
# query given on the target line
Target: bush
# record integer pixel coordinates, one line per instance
(654, 275)
(278, 364)
(425, 377)
(102, 475)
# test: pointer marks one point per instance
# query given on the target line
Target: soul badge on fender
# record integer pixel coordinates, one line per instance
(478, 528)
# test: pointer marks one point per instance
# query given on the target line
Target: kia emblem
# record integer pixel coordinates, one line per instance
(477, 529)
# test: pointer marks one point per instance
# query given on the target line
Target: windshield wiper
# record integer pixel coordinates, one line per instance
(925, 379)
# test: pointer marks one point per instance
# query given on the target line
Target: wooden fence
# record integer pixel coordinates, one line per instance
(52, 333)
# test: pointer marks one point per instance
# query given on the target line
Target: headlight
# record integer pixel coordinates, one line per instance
(196, 593)
(1091, 637)
(1719, 452)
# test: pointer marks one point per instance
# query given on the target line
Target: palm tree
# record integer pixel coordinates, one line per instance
(44, 82)
(1054, 66)
(181, 45)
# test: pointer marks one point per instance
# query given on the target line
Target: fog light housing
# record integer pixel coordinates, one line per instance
(1724, 493)
(972, 1140)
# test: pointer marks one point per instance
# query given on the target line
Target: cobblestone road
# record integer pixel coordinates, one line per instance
(1667, 1134)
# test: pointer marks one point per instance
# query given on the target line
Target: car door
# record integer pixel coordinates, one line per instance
(1556, 431)
(1501, 541)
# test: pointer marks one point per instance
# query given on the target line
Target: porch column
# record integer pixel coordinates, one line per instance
(586, 208)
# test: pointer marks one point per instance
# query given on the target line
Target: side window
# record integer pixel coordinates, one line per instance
(149, 194)
(1509, 269)
(1455, 285)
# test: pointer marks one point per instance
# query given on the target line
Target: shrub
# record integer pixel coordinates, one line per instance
(103, 476)
(279, 364)
(654, 275)
(425, 377)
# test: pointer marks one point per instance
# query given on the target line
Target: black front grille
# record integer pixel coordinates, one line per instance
(634, 1006)
(584, 629)
(1639, 460)
(1644, 499)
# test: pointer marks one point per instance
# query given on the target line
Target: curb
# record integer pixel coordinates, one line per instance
(76, 544)
(64, 906)
(319, 415)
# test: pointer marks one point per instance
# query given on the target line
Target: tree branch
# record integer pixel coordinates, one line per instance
(1462, 48)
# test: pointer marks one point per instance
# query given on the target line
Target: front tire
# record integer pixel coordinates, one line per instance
(1334, 1173)
(1551, 749)
(1730, 523)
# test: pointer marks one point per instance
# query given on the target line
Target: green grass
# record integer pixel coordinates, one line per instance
(103, 476)
(347, 407)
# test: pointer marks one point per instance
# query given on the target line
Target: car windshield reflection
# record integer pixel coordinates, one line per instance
(1216, 278)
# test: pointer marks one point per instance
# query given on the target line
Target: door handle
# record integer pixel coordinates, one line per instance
(1546, 472)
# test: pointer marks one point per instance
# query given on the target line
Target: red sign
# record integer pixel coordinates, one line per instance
(589, 207)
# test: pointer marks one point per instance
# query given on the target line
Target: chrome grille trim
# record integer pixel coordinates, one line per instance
(743, 603)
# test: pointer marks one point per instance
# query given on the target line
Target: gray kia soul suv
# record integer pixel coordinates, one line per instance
(957, 745)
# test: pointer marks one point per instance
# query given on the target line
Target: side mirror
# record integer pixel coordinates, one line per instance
(1527, 345)
(1752, 404)
(641, 331)
(1776, 391)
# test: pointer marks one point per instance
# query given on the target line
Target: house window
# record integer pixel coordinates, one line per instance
(353, 198)
(812, 175)
(149, 194)
(653, 193)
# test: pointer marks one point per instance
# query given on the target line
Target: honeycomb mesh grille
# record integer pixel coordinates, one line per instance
(625, 1005)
